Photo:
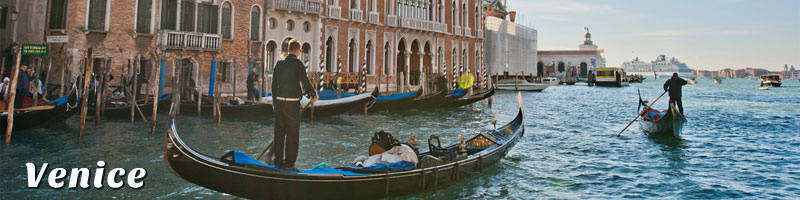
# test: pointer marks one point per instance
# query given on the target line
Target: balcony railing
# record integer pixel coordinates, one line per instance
(191, 40)
(456, 30)
(391, 20)
(356, 15)
(334, 12)
(467, 31)
(304, 6)
(480, 33)
(421, 24)
(374, 18)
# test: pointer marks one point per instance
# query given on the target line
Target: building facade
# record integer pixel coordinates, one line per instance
(402, 43)
(578, 63)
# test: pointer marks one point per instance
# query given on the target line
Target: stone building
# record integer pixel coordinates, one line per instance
(414, 39)
(577, 62)
(23, 22)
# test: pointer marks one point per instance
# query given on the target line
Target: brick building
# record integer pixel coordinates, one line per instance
(417, 39)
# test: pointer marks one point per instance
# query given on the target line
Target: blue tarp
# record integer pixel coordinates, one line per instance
(60, 101)
(244, 159)
(263, 94)
(331, 94)
(396, 96)
(458, 92)
(394, 167)
(653, 115)
(165, 97)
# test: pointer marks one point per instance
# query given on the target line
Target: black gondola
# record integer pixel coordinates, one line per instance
(670, 124)
(63, 108)
(124, 112)
(469, 99)
(260, 110)
(258, 182)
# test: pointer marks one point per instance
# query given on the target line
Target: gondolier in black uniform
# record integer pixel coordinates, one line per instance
(290, 82)
(674, 85)
(252, 77)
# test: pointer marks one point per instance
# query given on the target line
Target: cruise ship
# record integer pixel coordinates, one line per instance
(661, 67)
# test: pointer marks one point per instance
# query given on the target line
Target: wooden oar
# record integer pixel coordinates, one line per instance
(640, 113)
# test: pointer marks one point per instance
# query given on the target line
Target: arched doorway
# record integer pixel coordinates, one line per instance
(187, 82)
(401, 61)
(271, 54)
(440, 61)
(387, 63)
(584, 69)
(561, 67)
(414, 65)
(306, 55)
(540, 69)
(329, 57)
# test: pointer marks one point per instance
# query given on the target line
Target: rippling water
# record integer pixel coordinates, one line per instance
(740, 142)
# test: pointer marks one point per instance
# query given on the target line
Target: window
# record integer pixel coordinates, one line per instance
(465, 17)
(331, 2)
(387, 63)
(144, 15)
(207, 18)
(227, 21)
(454, 15)
(441, 11)
(273, 23)
(399, 7)
(306, 27)
(3, 14)
(97, 17)
(225, 72)
(169, 14)
(353, 4)
(290, 25)
(329, 60)
(58, 14)
(271, 54)
(387, 9)
(187, 16)
(352, 59)
(255, 21)
(369, 55)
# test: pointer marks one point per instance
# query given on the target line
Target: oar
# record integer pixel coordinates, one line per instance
(640, 113)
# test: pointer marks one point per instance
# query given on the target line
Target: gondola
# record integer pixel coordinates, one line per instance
(447, 99)
(470, 99)
(260, 110)
(662, 123)
(123, 112)
(58, 110)
(259, 181)
(381, 103)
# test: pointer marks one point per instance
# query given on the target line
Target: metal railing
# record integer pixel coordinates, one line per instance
(356, 15)
(374, 18)
(305, 6)
(191, 40)
(334, 12)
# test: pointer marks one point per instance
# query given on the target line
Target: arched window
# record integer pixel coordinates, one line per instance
(255, 23)
(440, 61)
(387, 61)
(271, 48)
(352, 57)
(454, 15)
(400, 7)
(227, 20)
(370, 56)
(464, 61)
(353, 4)
(464, 13)
(441, 11)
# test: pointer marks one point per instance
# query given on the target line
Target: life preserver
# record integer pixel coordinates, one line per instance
(466, 81)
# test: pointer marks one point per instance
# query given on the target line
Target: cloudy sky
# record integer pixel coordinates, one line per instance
(705, 34)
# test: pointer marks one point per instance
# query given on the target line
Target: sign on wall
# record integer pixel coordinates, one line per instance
(34, 49)
(58, 39)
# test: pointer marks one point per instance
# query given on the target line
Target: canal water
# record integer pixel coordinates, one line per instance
(740, 142)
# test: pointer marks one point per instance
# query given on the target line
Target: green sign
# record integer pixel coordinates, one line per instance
(34, 49)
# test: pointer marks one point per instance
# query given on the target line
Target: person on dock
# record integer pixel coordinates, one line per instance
(252, 77)
(674, 85)
(289, 84)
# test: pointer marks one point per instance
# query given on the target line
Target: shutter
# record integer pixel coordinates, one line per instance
(254, 22)
(201, 18)
(226, 23)
(188, 16)
(58, 14)
(97, 15)
(214, 19)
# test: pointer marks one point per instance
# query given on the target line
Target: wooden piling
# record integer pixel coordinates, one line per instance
(85, 97)
(63, 72)
(136, 65)
(13, 92)
(47, 76)
(197, 77)
(157, 76)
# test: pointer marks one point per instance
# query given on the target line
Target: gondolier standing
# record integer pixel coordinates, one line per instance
(289, 83)
(252, 77)
(23, 82)
(674, 85)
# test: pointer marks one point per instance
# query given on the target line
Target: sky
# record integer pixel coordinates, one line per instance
(704, 34)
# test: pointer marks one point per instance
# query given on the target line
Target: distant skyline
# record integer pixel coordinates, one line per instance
(706, 35)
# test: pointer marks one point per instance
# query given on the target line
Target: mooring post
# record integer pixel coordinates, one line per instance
(13, 92)
(85, 97)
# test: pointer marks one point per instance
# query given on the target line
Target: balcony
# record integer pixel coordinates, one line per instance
(191, 40)
(391, 20)
(374, 18)
(456, 30)
(334, 12)
(356, 15)
(480, 34)
(304, 6)
(467, 31)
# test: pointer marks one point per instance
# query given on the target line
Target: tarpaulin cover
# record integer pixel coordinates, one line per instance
(394, 167)
(458, 92)
(330, 94)
(244, 159)
(396, 96)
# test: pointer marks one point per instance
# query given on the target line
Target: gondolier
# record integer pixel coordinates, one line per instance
(289, 84)
(674, 85)
(252, 77)
(23, 82)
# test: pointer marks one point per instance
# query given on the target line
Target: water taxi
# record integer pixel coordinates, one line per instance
(771, 80)
(611, 77)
